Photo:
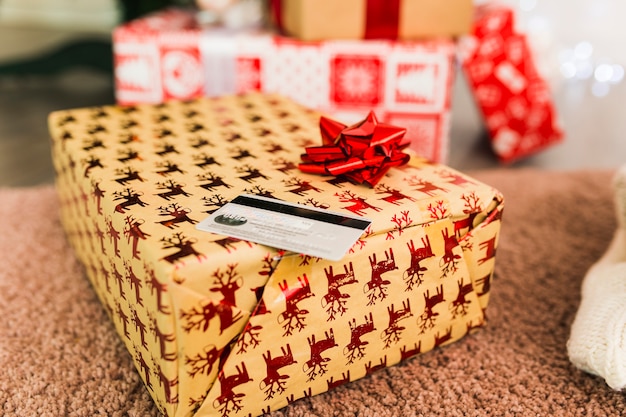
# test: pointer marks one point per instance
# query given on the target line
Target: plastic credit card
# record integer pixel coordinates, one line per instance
(289, 226)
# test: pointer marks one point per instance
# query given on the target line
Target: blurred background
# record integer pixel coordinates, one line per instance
(578, 45)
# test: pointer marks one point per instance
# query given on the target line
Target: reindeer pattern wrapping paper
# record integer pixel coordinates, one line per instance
(222, 327)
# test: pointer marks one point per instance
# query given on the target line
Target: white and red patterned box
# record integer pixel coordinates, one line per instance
(512, 95)
(168, 56)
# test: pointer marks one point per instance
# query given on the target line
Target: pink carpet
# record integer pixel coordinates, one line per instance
(59, 355)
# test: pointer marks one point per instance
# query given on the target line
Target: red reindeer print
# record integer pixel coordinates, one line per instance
(427, 187)
(171, 397)
(332, 384)
(370, 369)
(393, 331)
(213, 181)
(489, 246)
(205, 160)
(228, 243)
(414, 274)
(334, 301)
(130, 197)
(129, 174)
(486, 285)
(163, 132)
(275, 382)
(283, 165)
(228, 400)
(315, 203)
(173, 189)
(307, 393)
(273, 147)
(438, 211)
(90, 164)
(454, 178)
(376, 287)
(123, 318)
(441, 339)
(358, 204)
(250, 334)
(97, 193)
(162, 338)
(302, 186)
(184, 246)
(114, 235)
(166, 149)
(144, 368)
(127, 155)
(472, 209)
(133, 232)
(251, 173)
(356, 348)
(90, 145)
(134, 282)
(168, 167)
(140, 327)
(99, 236)
(317, 364)
(240, 153)
(227, 283)
(200, 318)
(259, 190)
(104, 272)
(120, 280)
(293, 316)
(178, 213)
(449, 261)
(202, 363)
(128, 138)
(428, 317)
(395, 196)
(339, 181)
(400, 222)
(406, 353)
(215, 201)
(156, 287)
(194, 127)
(460, 304)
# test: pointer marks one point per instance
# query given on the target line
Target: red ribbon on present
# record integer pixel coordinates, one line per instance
(363, 152)
(382, 18)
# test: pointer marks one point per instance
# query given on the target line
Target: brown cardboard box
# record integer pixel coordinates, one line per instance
(350, 19)
(221, 327)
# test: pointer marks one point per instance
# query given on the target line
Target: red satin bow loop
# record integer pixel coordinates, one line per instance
(363, 152)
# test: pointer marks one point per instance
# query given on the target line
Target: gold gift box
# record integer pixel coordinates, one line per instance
(221, 327)
(314, 20)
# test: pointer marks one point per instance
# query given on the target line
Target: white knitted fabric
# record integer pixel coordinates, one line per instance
(597, 341)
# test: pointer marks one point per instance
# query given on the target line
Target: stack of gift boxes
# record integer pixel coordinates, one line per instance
(396, 58)
(223, 326)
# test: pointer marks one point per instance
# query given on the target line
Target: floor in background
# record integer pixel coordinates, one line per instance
(594, 126)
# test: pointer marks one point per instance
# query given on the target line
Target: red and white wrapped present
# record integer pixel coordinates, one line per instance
(512, 95)
(167, 55)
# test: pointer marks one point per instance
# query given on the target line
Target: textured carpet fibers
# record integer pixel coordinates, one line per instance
(59, 354)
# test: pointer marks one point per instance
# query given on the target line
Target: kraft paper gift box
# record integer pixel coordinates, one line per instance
(372, 19)
(511, 94)
(166, 56)
(219, 326)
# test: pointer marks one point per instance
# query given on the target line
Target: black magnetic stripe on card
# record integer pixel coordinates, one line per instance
(300, 211)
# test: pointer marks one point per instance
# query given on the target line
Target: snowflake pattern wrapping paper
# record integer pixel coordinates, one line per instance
(224, 327)
(512, 95)
(167, 56)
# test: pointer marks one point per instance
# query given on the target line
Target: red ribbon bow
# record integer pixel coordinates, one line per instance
(363, 152)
